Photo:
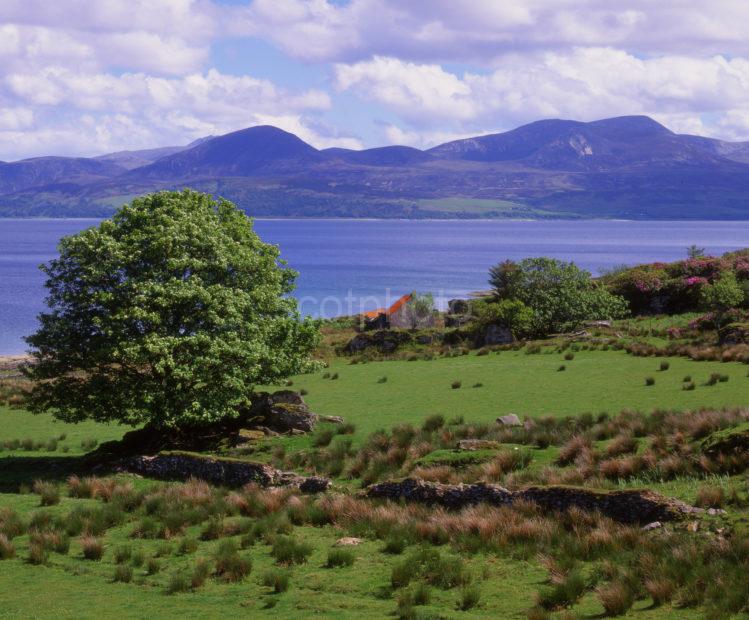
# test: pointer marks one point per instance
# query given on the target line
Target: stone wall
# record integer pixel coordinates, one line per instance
(226, 472)
(630, 506)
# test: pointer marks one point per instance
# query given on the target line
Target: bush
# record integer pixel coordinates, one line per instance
(455, 385)
(122, 574)
(92, 547)
(287, 550)
(432, 423)
(48, 492)
(616, 597)
(649, 381)
(277, 580)
(339, 557)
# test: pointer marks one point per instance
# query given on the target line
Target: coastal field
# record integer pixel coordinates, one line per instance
(369, 396)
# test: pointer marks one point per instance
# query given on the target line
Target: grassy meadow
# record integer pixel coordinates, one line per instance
(142, 558)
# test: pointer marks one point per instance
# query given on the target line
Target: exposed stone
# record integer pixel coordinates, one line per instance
(630, 506)
(652, 526)
(332, 419)
(228, 472)
(283, 411)
(477, 444)
(598, 324)
(510, 419)
(384, 340)
(715, 511)
(347, 541)
(496, 334)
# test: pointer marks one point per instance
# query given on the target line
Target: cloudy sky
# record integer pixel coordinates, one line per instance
(84, 77)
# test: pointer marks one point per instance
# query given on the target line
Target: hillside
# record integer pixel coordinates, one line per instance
(627, 167)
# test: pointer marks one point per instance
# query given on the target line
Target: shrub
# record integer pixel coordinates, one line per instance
(616, 597)
(7, 549)
(455, 385)
(433, 422)
(92, 547)
(649, 381)
(469, 597)
(339, 557)
(287, 550)
(569, 356)
(664, 366)
(277, 580)
(49, 493)
(122, 574)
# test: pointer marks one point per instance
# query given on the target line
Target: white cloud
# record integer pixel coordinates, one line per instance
(584, 84)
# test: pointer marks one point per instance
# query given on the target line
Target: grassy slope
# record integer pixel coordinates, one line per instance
(514, 382)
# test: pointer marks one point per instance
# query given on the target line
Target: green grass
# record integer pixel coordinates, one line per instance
(514, 382)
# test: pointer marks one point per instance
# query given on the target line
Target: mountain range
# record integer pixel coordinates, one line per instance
(626, 167)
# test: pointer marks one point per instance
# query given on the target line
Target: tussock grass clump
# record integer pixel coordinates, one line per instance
(122, 574)
(425, 563)
(323, 438)
(276, 579)
(622, 444)
(455, 385)
(688, 386)
(122, 554)
(230, 566)
(710, 497)
(48, 492)
(660, 589)
(564, 593)
(382, 380)
(200, 573)
(89, 444)
(569, 356)
(664, 366)
(469, 597)
(11, 524)
(153, 566)
(616, 597)
(431, 424)
(187, 545)
(7, 549)
(649, 381)
(561, 368)
(339, 558)
(288, 550)
(38, 552)
(92, 547)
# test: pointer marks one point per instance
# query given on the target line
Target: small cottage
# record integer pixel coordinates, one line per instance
(395, 316)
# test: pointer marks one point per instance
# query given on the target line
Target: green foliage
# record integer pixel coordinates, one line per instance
(339, 557)
(419, 309)
(560, 294)
(511, 313)
(167, 314)
(722, 296)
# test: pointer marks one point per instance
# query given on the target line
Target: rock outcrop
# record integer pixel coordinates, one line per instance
(282, 412)
(631, 506)
(223, 471)
(384, 340)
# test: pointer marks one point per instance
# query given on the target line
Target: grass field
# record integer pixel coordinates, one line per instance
(511, 382)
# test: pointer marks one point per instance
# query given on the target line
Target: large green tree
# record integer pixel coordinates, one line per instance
(167, 315)
(560, 294)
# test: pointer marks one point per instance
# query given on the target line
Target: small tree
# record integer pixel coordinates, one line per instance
(166, 315)
(419, 309)
(510, 313)
(721, 297)
(695, 252)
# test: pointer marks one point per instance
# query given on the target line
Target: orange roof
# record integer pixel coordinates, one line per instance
(373, 314)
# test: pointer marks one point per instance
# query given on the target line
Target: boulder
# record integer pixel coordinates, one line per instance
(510, 419)
(384, 340)
(496, 334)
(734, 333)
(284, 411)
(347, 541)
(477, 444)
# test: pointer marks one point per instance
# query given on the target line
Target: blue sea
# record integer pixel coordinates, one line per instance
(348, 266)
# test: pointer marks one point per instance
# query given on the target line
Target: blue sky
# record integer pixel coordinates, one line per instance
(84, 78)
